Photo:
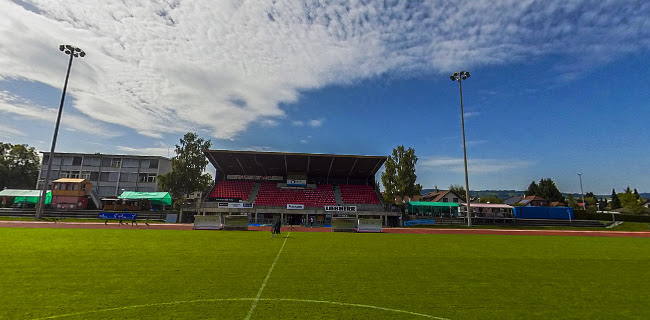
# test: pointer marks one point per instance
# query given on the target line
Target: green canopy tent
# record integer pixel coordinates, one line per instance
(26, 196)
(157, 198)
(435, 209)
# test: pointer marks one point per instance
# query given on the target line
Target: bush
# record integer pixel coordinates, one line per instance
(582, 215)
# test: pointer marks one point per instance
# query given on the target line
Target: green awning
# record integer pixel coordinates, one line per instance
(155, 197)
(26, 196)
(433, 204)
(433, 208)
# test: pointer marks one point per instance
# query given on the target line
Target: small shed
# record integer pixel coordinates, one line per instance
(71, 187)
(433, 209)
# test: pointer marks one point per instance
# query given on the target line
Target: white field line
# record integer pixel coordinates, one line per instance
(268, 275)
(239, 299)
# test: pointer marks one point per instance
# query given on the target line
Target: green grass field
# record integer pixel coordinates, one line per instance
(162, 274)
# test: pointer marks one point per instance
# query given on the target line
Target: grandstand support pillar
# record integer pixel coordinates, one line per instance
(255, 217)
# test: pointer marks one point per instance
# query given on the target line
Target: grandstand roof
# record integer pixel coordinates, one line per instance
(229, 162)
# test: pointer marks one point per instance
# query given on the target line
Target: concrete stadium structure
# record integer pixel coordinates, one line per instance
(298, 188)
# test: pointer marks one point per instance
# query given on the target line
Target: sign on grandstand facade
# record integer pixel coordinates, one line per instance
(341, 208)
(295, 206)
(296, 183)
(247, 177)
(227, 199)
(234, 205)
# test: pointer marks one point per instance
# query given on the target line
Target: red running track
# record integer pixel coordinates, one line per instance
(184, 226)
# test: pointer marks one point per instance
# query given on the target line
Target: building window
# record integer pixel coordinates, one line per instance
(67, 174)
(108, 176)
(147, 177)
(116, 162)
(153, 164)
(128, 177)
(106, 191)
(94, 176)
(445, 200)
(85, 175)
(67, 161)
(455, 199)
(92, 161)
(144, 163)
(76, 161)
(130, 163)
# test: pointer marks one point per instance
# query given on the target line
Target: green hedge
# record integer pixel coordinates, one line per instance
(582, 215)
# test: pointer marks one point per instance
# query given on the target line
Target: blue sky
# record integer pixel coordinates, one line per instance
(557, 87)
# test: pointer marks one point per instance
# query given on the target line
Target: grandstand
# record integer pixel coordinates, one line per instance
(293, 187)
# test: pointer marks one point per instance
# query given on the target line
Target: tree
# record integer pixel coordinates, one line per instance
(627, 198)
(19, 166)
(533, 190)
(630, 202)
(490, 200)
(636, 194)
(458, 190)
(549, 191)
(571, 201)
(399, 175)
(616, 202)
(187, 174)
(545, 189)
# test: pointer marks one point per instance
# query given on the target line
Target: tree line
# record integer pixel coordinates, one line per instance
(19, 166)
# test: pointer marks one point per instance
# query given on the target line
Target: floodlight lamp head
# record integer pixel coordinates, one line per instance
(68, 52)
(82, 54)
(452, 78)
(69, 47)
(467, 73)
(77, 49)
(61, 47)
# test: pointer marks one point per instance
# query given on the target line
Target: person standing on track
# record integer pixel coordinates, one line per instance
(278, 225)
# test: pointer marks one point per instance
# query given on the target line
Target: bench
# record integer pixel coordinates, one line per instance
(132, 217)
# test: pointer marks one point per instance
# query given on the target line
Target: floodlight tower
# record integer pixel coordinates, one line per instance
(73, 52)
(460, 76)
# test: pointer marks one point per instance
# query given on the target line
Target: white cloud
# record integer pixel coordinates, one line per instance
(297, 123)
(169, 67)
(149, 151)
(11, 132)
(471, 114)
(27, 109)
(475, 166)
(316, 123)
(269, 122)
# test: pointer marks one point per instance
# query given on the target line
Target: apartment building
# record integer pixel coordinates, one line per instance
(110, 174)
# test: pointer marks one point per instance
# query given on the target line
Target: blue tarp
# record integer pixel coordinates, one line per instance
(419, 222)
(559, 213)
